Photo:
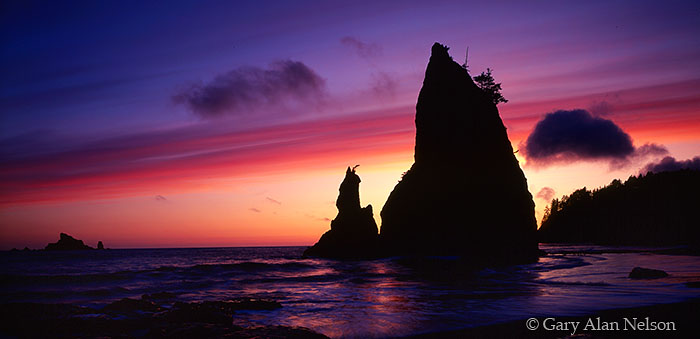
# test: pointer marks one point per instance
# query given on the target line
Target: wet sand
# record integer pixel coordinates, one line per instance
(685, 316)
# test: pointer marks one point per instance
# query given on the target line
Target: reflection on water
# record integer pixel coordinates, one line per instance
(353, 299)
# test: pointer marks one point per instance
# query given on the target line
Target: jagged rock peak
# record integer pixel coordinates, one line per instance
(440, 51)
(465, 194)
(353, 233)
(349, 195)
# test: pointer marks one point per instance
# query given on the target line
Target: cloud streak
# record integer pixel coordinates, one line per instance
(363, 49)
(568, 136)
(546, 193)
(384, 85)
(283, 85)
(189, 158)
(276, 202)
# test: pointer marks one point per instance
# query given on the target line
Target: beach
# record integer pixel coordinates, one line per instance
(221, 291)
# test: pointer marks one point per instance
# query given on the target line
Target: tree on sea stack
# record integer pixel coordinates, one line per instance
(487, 84)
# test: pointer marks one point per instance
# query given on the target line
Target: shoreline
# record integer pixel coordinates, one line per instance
(165, 306)
(684, 315)
(144, 318)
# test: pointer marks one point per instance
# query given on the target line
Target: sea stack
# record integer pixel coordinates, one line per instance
(67, 243)
(353, 233)
(465, 193)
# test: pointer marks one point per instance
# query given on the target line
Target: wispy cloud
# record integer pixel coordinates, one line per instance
(546, 193)
(253, 209)
(363, 49)
(284, 85)
(273, 201)
(160, 198)
(180, 158)
(311, 216)
(384, 85)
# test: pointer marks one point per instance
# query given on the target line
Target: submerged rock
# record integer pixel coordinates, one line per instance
(128, 318)
(211, 312)
(465, 194)
(253, 304)
(159, 296)
(646, 273)
(132, 305)
(353, 232)
(67, 243)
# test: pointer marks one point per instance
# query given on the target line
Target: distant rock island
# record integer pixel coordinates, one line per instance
(353, 232)
(464, 195)
(653, 209)
(68, 243)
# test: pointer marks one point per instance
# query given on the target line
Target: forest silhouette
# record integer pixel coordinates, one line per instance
(651, 209)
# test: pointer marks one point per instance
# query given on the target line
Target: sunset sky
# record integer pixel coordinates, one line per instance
(231, 123)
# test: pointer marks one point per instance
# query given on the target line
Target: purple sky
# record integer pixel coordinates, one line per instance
(99, 93)
(90, 68)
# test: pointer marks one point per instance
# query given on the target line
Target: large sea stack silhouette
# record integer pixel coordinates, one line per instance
(353, 233)
(465, 193)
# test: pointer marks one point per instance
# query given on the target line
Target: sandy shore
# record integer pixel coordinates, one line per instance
(683, 316)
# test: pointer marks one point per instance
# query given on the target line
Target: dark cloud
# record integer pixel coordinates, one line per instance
(160, 198)
(363, 49)
(283, 85)
(546, 193)
(273, 201)
(668, 164)
(567, 136)
(253, 209)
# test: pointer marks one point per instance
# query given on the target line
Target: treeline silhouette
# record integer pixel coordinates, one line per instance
(652, 209)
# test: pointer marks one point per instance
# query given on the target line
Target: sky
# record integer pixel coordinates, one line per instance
(231, 123)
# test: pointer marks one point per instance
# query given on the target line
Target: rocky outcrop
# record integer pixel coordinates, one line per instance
(646, 273)
(353, 233)
(143, 318)
(67, 243)
(465, 193)
(100, 246)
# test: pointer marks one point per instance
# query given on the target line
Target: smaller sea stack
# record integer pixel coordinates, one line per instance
(353, 233)
(67, 243)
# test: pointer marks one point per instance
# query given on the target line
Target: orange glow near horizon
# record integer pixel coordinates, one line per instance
(215, 186)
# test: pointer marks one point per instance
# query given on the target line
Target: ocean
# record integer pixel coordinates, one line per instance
(377, 298)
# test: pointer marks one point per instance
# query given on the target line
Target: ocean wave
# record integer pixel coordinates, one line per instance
(232, 268)
(573, 283)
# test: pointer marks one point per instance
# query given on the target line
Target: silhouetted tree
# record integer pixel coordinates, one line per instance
(486, 82)
(651, 209)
